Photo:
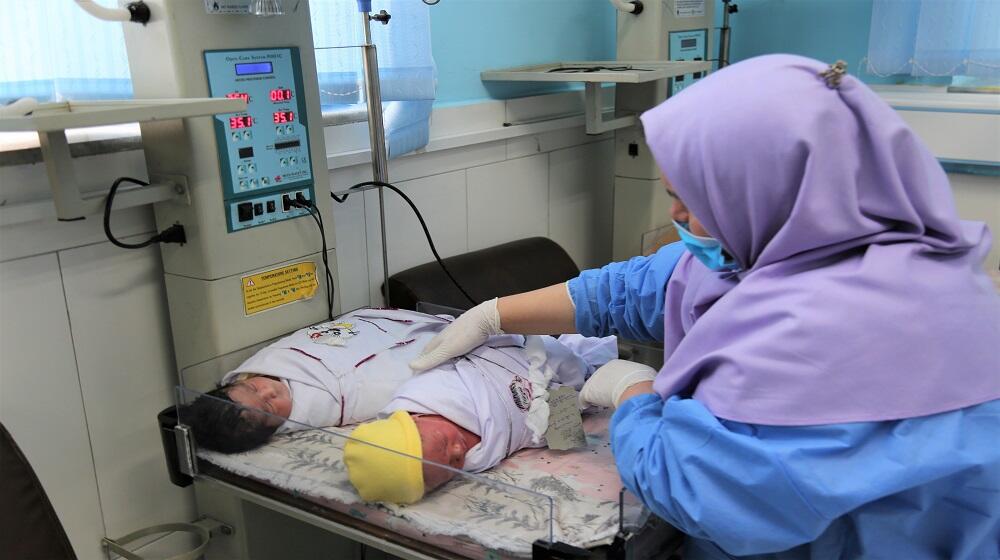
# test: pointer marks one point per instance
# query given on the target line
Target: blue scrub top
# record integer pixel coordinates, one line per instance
(625, 298)
(918, 488)
(914, 489)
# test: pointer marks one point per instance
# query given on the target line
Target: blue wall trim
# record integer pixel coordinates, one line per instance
(971, 167)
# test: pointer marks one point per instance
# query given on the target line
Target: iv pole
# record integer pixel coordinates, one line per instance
(376, 127)
(724, 32)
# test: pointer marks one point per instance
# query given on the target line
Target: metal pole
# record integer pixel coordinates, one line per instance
(724, 32)
(376, 135)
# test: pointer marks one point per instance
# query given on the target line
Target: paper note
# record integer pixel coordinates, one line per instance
(565, 423)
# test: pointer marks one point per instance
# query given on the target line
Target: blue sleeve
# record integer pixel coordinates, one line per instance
(625, 298)
(755, 489)
(675, 457)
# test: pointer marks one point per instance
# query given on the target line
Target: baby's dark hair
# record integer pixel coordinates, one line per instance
(222, 425)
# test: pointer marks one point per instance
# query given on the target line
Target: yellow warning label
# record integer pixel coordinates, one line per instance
(276, 287)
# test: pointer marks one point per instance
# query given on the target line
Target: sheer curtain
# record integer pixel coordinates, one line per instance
(52, 50)
(406, 67)
(935, 38)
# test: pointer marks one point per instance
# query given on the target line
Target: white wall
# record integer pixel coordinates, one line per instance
(978, 198)
(556, 184)
(86, 361)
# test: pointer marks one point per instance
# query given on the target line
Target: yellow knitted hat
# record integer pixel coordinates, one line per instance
(380, 475)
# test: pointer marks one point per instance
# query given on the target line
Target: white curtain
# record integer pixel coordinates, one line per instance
(52, 50)
(935, 38)
(406, 67)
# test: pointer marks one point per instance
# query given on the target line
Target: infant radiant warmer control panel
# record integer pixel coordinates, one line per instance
(687, 45)
(264, 151)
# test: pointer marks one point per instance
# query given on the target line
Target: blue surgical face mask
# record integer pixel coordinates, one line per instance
(708, 250)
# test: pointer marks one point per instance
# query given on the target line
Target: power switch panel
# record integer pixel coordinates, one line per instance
(244, 211)
(265, 209)
(264, 149)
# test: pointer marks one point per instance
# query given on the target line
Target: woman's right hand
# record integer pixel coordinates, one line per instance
(469, 331)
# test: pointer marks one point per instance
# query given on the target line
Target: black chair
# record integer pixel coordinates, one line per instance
(511, 268)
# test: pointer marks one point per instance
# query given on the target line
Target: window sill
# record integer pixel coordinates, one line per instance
(346, 132)
(22, 148)
(938, 100)
(454, 127)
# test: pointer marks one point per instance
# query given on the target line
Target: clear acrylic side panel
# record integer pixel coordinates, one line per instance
(341, 77)
(308, 463)
(653, 239)
(632, 515)
(648, 535)
(437, 309)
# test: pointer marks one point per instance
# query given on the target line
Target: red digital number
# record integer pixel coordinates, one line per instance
(283, 117)
(240, 122)
(239, 95)
(280, 94)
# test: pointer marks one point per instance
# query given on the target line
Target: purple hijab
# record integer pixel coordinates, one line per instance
(863, 296)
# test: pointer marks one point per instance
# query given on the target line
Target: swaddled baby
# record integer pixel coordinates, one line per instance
(468, 414)
(335, 373)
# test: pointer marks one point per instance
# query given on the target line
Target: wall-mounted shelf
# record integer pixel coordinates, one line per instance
(592, 74)
(51, 120)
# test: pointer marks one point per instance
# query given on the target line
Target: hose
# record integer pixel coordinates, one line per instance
(106, 14)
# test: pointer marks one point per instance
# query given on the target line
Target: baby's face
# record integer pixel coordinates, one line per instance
(443, 442)
(264, 393)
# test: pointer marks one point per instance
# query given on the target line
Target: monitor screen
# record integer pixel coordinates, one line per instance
(251, 68)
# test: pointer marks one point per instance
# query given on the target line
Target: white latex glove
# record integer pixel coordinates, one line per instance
(470, 330)
(611, 380)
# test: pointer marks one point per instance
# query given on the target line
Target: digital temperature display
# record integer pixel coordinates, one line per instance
(283, 117)
(279, 95)
(239, 95)
(253, 68)
(244, 121)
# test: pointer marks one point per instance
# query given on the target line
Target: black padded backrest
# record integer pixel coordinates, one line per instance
(511, 268)
(29, 527)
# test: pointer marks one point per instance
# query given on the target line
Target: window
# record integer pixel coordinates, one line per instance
(952, 39)
(406, 67)
(53, 51)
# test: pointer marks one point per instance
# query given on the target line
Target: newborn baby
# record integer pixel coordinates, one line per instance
(468, 414)
(332, 374)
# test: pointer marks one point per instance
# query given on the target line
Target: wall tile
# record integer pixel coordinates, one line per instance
(508, 201)
(40, 401)
(352, 250)
(581, 194)
(121, 332)
(441, 200)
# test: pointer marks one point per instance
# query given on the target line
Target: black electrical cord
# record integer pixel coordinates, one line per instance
(423, 225)
(173, 234)
(303, 202)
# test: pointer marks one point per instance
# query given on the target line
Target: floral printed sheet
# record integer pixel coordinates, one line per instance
(467, 516)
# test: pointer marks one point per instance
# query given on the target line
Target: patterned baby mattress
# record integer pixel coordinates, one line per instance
(464, 517)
